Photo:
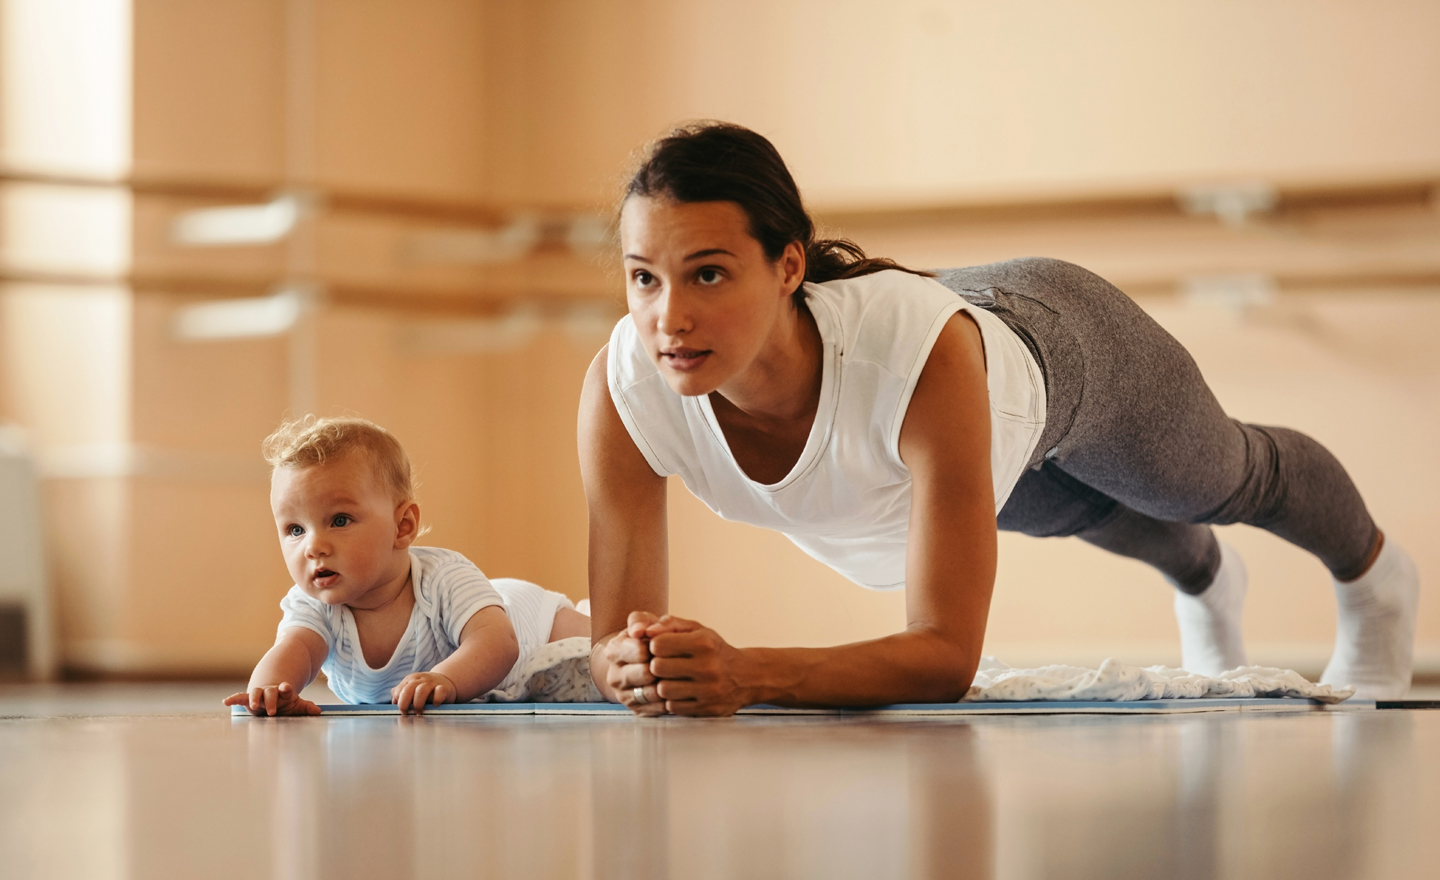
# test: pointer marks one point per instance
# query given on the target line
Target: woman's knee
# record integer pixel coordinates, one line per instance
(1275, 458)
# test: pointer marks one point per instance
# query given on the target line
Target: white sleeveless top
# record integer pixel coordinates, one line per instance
(847, 500)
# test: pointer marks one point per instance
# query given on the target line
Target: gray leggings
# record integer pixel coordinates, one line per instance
(1137, 456)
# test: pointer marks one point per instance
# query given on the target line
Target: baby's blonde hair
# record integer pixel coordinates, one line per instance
(310, 441)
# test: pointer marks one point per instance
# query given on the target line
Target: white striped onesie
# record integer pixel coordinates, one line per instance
(449, 589)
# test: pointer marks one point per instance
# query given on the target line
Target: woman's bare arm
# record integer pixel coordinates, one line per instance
(951, 558)
(629, 566)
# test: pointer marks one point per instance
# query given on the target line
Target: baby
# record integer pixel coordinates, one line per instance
(386, 621)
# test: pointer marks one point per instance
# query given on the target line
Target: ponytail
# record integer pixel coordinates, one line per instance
(831, 259)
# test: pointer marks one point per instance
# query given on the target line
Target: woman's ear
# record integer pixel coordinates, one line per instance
(792, 267)
(407, 524)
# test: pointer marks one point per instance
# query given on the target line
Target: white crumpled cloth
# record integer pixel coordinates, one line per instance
(1113, 682)
(557, 673)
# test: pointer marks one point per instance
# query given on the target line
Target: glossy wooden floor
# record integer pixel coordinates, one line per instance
(89, 791)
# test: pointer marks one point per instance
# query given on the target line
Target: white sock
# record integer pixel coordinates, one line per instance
(1210, 638)
(1375, 634)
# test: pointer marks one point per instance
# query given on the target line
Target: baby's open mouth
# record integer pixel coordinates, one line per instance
(324, 573)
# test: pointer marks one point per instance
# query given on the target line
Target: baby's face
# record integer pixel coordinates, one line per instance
(341, 530)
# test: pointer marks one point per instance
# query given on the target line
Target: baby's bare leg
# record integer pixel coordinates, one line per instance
(568, 624)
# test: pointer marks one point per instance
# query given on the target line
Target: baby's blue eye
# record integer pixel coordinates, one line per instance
(340, 521)
(294, 531)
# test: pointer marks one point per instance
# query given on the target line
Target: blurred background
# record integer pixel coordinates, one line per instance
(216, 213)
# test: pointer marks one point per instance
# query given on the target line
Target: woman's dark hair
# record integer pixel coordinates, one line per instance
(724, 162)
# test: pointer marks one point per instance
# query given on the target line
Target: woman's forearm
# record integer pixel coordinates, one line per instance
(916, 666)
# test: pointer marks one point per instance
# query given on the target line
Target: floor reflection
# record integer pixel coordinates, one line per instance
(1204, 797)
(1328, 795)
(630, 820)
(788, 799)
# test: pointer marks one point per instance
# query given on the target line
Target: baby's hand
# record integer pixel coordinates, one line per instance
(419, 687)
(273, 699)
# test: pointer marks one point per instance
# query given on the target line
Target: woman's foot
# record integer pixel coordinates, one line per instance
(1375, 634)
(1210, 639)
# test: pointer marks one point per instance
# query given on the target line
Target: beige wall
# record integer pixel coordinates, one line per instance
(209, 91)
(926, 101)
(423, 125)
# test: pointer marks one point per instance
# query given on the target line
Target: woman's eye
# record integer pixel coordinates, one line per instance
(708, 275)
(340, 521)
(643, 278)
(294, 531)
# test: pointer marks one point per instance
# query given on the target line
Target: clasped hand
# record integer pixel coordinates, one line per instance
(660, 665)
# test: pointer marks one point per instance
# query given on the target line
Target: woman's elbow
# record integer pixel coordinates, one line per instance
(953, 668)
(950, 689)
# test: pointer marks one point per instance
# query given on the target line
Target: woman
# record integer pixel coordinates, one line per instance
(888, 426)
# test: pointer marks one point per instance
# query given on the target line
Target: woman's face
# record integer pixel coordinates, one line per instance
(703, 295)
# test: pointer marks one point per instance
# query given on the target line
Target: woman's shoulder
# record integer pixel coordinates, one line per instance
(885, 317)
(626, 362)
(652, 415)
(887, 294)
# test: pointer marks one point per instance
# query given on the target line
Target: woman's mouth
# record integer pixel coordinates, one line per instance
(684, 359)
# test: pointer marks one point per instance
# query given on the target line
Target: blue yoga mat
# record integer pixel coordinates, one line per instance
(929, 710)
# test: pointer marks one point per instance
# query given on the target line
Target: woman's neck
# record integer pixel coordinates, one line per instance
(782, 385)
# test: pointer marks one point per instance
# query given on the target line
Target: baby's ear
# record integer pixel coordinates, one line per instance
(407, 524)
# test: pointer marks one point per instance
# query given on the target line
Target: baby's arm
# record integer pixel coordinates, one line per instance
(282, 673)
(488, 651)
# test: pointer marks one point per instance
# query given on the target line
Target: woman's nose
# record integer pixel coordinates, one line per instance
(674, 314)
